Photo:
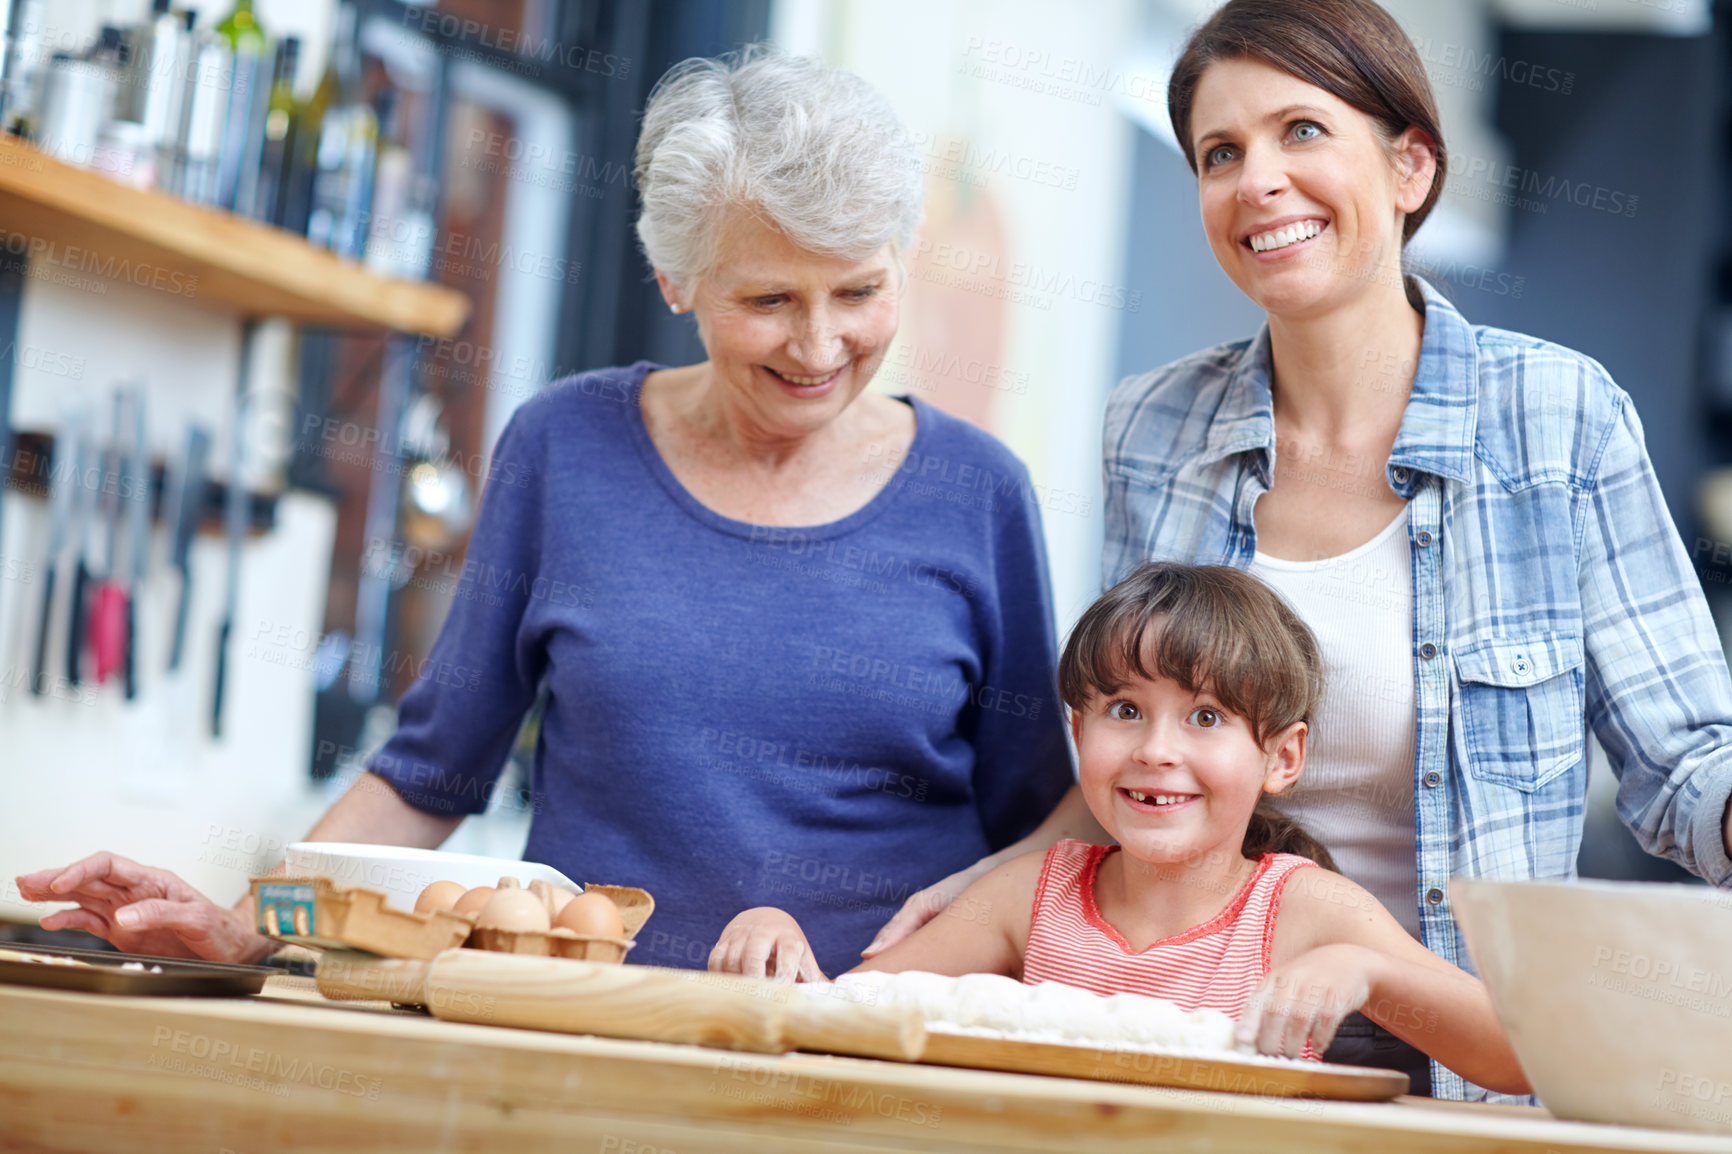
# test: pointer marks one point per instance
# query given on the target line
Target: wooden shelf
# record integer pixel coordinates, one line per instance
(93, 226)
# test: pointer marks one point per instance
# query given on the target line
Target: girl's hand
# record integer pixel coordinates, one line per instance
(142, 910)
(1306, 998)
(765, 943)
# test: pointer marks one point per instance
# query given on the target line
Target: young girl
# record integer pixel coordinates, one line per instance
(1190, 690)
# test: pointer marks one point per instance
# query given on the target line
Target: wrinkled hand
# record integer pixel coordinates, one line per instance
(1306, 998)
(924, 905)
(143, 910)
(765, 943)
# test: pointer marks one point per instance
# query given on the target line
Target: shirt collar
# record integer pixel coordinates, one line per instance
(1437, 430)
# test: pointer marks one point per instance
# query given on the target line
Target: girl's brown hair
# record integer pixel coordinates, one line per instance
(1213, 628)
(1351, 49)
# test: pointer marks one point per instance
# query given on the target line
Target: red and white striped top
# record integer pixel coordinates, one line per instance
(1214, 966)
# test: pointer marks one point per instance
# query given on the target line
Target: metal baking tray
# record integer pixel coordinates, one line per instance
(105, 975)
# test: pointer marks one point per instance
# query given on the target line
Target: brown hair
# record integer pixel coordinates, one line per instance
(1351, 49)
(1207, 627)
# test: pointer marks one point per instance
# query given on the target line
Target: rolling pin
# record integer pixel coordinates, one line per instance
(649, 1002)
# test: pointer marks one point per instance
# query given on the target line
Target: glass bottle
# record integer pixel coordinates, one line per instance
(249, 102)
(280, 128)
(348, 146)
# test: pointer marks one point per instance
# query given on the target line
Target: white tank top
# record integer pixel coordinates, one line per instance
(1356, 793)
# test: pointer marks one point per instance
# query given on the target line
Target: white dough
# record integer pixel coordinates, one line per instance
(994, 1005)
(1208, 1030)
(989, 1000)
(934, 995)
(1070, 1012)
(869, 987)
(1147, 1021)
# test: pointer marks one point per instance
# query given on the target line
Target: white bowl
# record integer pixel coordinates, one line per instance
(402, 873)
(1617, 996)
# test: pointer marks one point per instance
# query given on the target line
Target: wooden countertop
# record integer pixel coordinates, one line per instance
(288, 1070)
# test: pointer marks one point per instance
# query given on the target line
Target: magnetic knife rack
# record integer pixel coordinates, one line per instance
(31, 465)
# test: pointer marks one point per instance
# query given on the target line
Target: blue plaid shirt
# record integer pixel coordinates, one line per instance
(1551, 593)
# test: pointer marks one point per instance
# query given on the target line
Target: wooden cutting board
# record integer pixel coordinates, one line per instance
(1233, 1075)
(698, 1008)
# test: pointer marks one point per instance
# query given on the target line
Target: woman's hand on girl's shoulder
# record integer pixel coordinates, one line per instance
(924, 905)
(983, 931)
(765, 942)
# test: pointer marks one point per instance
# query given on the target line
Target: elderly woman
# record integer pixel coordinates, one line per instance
(775, 674)
(1466, 518)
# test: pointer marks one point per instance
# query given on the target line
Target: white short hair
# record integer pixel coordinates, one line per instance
(815, 151)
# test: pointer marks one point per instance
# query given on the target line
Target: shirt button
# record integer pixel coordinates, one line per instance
(1434, 897)
(1428, 651)
(1400, 475)
(1423, 538)
(1432, 779)
(1520, 665)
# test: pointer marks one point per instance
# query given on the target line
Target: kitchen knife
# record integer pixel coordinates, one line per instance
(137, 539)
(11, 304)
(234, 530)
(186, 498)
(89, 484)
(234, 523)
(107, 623)
(63, 481)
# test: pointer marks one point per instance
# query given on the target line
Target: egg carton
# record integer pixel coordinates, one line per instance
(316, 911)
(635, 907)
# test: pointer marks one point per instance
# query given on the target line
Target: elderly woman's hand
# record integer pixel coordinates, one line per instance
(924, 905)
(142, 910)
(765, 943)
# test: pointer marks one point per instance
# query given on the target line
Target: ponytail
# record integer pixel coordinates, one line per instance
(1272, 831)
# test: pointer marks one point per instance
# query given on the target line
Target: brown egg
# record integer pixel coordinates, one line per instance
(591, 914)
(471, 902)
(438, 896)
(561, 899)
(513, 910)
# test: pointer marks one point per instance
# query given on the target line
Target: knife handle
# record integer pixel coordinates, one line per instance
(129, 637)
(107, 626)
(222, 661)
(39, 666)
(180, 620)
(75, 634)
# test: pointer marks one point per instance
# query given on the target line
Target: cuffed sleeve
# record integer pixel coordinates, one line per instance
(1659, 696)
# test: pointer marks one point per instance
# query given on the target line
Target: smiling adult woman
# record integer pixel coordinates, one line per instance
(1466, 518)
(776, 672)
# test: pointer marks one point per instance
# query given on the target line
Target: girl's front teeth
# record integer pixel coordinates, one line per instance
(1158, 798)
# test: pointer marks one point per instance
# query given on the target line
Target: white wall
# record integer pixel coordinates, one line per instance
(1028, 171)
(82, 768)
